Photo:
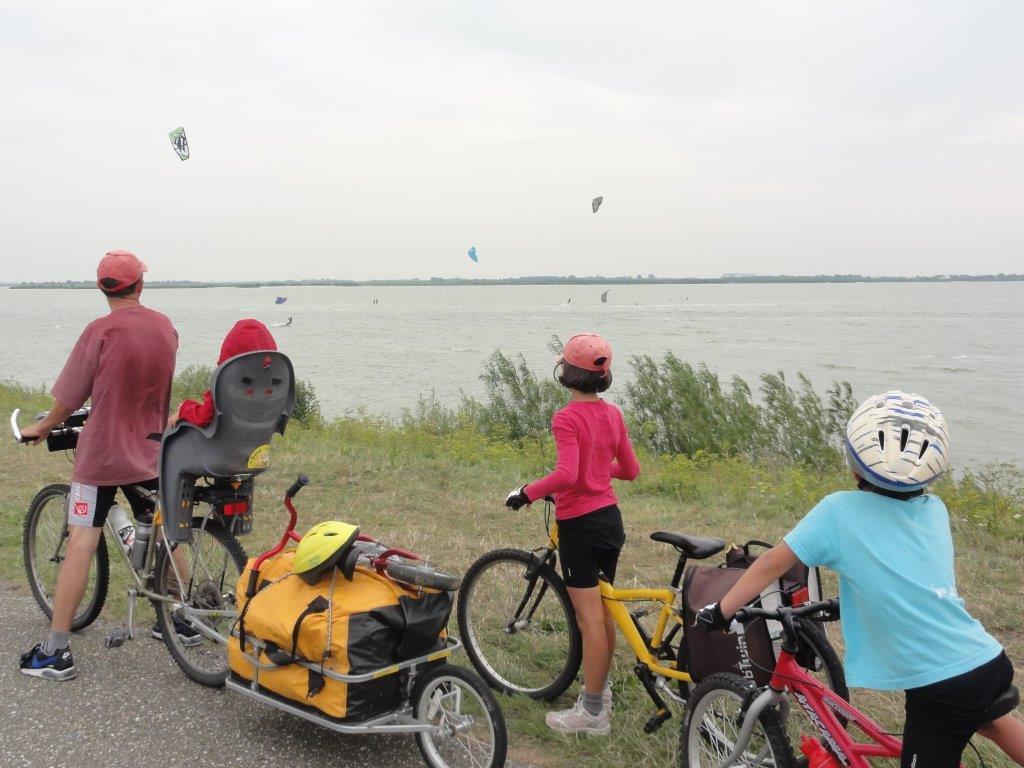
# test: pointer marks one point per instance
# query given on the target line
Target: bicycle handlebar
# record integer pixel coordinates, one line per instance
(16, 430)
(826, 610)
(300, 482)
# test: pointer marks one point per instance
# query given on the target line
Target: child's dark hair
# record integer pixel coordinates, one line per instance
(864, 485)
(590, 382)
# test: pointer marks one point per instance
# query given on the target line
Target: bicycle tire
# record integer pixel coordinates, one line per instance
(164, 610)
(424, 698)
(87, 612)
(548, 686)
(422, 575)
(696, 730)
(817, 643)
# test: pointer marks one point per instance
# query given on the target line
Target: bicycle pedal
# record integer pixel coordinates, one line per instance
(116, 638)
(656, 721)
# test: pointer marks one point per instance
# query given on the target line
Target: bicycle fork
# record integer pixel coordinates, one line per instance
(751, 715)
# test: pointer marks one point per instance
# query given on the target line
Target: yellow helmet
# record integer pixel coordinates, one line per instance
(325, 546)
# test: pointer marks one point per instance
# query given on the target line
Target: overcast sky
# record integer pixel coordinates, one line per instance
(377, 139)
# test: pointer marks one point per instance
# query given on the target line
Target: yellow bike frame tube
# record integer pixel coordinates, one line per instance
(613, 602)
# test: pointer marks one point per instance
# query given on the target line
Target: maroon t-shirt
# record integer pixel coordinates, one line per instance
(124, 362)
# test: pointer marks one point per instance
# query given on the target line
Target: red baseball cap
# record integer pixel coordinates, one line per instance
(589, 352)
(117, 270)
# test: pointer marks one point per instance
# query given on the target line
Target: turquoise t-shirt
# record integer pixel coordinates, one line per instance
(903, 622)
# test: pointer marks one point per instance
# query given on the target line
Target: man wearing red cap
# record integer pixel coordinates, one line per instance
(124, 363)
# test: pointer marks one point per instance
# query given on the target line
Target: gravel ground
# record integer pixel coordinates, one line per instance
(133, 707)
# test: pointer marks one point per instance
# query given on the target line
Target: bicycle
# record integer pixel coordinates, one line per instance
(520, 630)
(201, 575)
(730, 722)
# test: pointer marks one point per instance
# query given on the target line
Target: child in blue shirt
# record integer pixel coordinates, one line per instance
(904, 625)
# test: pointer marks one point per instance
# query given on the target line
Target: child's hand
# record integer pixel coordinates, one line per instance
(710, 618)
(172, 420)
(517, 498)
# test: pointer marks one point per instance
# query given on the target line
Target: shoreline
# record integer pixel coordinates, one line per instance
(536, 280)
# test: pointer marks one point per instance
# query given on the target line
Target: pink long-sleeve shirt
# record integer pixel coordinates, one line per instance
(593, 447)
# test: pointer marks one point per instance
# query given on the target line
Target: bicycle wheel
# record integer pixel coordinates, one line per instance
(520, 635)
(44, 543)
(711, 726)
(470, 726)
(820, 659)
(210, 567)
(422, 576)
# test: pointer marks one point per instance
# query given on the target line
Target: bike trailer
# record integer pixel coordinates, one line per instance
(746, 651)
(361, 626)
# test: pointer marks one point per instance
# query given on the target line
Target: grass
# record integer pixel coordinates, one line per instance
(441, 494)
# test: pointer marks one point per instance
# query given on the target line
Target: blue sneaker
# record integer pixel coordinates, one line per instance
(59, 666)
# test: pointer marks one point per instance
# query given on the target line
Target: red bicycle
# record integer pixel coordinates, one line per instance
(730, 722)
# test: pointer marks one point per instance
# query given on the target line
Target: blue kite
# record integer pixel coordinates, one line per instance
(472, 253)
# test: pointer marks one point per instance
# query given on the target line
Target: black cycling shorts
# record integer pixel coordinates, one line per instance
(88, 505)
(590, 544)
(942, 717)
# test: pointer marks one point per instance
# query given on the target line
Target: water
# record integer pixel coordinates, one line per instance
(960, 344)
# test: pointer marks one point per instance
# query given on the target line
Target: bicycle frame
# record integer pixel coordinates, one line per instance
(824, 708)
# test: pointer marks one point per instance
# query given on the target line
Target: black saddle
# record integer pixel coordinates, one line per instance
(696, 547)
(1004, 704)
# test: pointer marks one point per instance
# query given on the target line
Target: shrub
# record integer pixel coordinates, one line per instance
(678, 409)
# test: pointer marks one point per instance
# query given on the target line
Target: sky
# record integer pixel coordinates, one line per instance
(383, 139)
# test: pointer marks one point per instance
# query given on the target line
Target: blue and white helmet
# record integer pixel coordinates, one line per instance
(897, 441)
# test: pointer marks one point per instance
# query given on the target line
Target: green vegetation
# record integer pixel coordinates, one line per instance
(435, 482)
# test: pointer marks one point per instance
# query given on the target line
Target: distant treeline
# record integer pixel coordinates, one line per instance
(553, 280)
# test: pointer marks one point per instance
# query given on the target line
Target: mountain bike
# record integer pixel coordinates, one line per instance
(731, 722)
(520, 630)
(201, 574)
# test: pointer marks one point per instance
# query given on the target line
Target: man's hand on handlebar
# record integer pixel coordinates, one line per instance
(33, 435)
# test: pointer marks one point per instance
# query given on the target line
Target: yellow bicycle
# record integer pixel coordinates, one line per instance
(520, 632)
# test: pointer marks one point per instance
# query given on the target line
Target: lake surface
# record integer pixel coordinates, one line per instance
(961, 344)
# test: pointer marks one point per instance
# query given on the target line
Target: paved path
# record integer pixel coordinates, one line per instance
(131, 707)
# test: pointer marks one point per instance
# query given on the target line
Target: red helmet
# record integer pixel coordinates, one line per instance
(589, 352)
(118, 270)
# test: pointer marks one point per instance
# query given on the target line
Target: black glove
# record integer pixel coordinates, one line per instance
(710, 618)
(517, 498)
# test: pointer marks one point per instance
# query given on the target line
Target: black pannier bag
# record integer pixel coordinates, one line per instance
(747, 652)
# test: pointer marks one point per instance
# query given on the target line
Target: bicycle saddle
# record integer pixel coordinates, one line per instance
(1004, 704)
(697, 547)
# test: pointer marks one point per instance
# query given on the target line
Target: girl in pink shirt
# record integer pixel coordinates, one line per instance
(593, 447)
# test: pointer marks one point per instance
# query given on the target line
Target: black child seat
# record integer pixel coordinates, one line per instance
(253, 397)
(697, 547)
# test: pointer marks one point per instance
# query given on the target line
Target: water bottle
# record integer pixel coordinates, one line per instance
(123, 527)
(143, 532)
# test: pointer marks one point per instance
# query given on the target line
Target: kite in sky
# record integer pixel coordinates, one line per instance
(179, 142)
(596, 203)
(472, 253)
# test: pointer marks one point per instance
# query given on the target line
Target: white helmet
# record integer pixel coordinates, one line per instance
(897, 441)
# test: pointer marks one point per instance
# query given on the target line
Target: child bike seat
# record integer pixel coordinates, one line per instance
(697, 547)
(1003, 704)
(253, 396)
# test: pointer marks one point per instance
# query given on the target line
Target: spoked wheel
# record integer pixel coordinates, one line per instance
(44, 545)
(470, 726)
(209, 568)
(520, 633)
(820, 659)
(712, 725)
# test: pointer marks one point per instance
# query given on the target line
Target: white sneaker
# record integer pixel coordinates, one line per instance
(606, 697)
(577, 720)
